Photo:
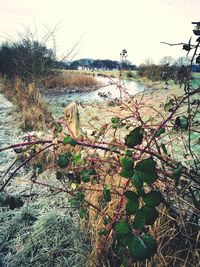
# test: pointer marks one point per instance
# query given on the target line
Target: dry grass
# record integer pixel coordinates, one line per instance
(34, 113)
(176, 230)
(69, 79)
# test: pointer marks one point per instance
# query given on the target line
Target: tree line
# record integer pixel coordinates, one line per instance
(105, 64)
(32, 60)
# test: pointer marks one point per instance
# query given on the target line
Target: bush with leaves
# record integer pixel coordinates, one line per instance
(133, 174)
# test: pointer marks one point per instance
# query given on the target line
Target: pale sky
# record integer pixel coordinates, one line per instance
(105, 27)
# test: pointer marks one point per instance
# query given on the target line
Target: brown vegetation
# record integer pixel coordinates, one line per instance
(69, 79)
(34, 113)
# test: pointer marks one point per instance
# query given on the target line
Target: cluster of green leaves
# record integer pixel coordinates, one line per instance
(131, 240)
(140, 207)
(132, 245)
(130, 234)
(64, 159)
(68, 140)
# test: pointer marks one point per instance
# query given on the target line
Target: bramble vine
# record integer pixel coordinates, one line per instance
(124, 165)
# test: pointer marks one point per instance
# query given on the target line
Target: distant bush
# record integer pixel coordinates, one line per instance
(129, 74)
(163, 72)
(29, 59)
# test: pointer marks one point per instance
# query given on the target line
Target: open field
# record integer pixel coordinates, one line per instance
(125, 74)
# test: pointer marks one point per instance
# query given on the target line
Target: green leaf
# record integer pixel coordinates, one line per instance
(74, 202)
(153, 198)
(131, 195)
(103, 231)
(38, 168)
(127, 167)
(137, 248)
(115, 125)
(63, 161)
(115, 120)
(67, 154)
(169, 105)
(80, 196)
(68, 140)
(129, 153)
(132, 206)
(60, 128)
(59, 175)
(139, 221)
(122, 228)
(77, 200)
(82, 213)
(135, 137)
(150, 243)
(76, 159)
(182, 122)
(127, 173)
(127, 163)
(137, 180)
(150, 213)
(85, 176)
(92, 171)
(106, 194)
(146, 170)
(18, 150)
(140, 192)
(159, 132)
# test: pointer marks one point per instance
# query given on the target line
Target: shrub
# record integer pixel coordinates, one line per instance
(27, 58)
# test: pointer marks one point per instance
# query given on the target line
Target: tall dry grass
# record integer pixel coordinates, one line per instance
(69, 79)
(33, 111)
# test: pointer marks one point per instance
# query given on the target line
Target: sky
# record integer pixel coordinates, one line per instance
(100, 29)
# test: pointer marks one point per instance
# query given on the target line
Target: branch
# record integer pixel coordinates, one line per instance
(18, 168)
(172, 44)
(25, 144)
(64, 190)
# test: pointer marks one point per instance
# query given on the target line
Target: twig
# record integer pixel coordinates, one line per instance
(18, 168)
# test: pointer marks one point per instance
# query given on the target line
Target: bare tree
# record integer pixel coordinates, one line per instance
(182, 61)
(168, 60)
(148, 61)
